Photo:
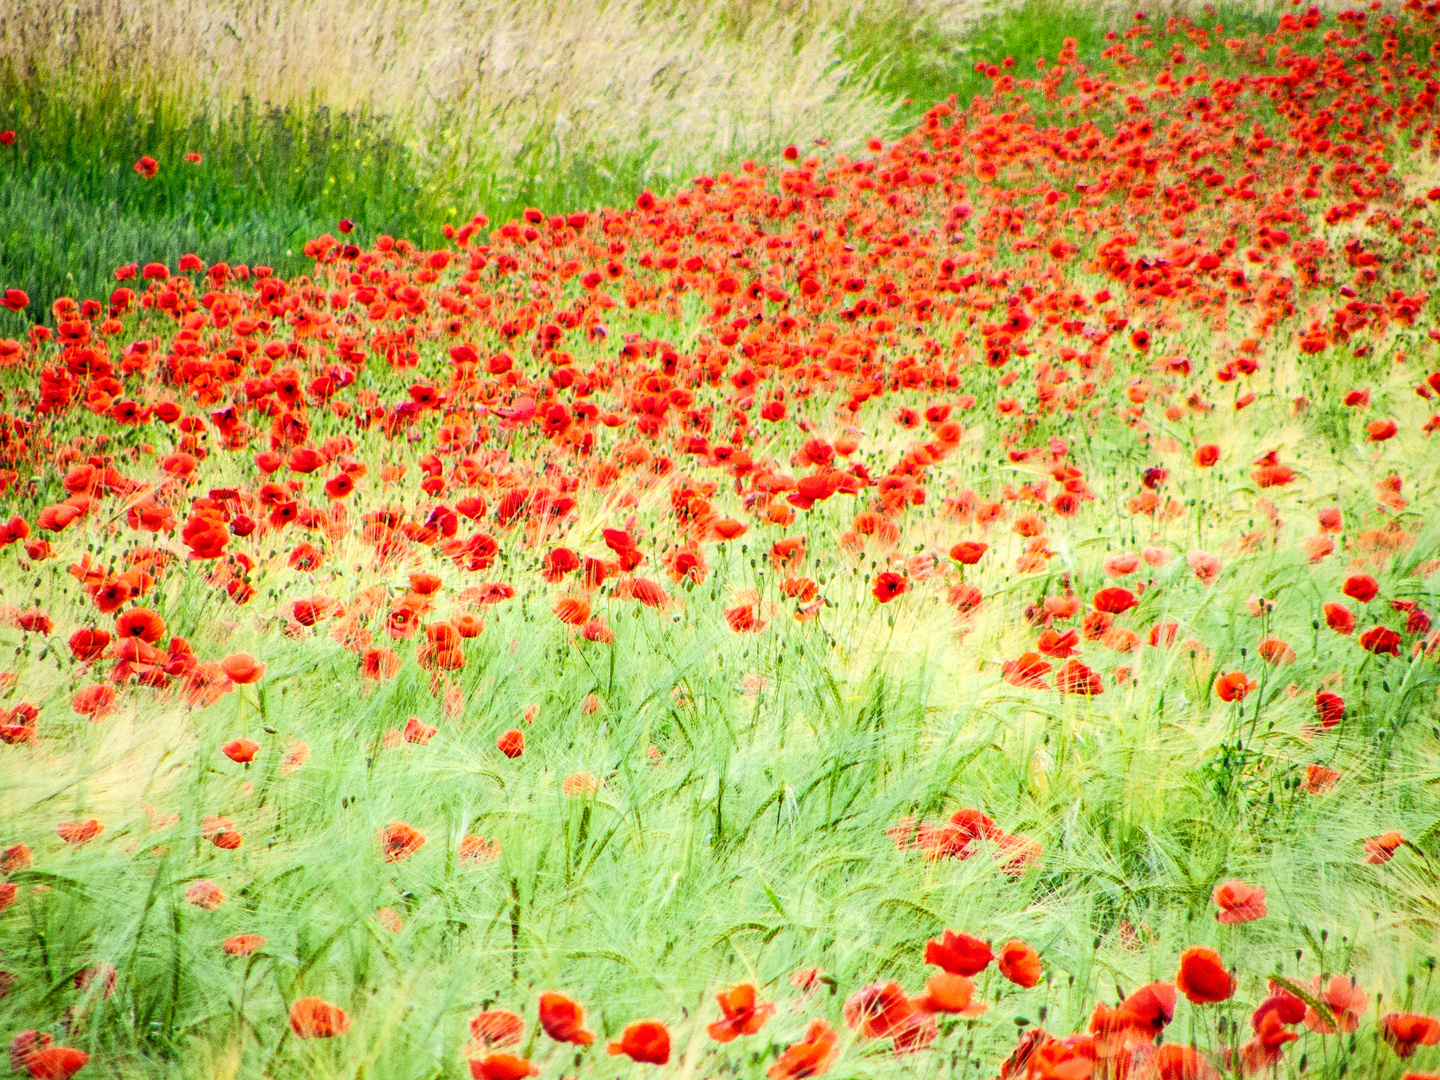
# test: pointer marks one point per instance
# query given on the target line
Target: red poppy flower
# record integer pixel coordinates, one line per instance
(379, 664)
(882, 1010)
(242, 668)
(55, 518)
(811, 1056)
(743, 1015)
(958, 954)
(1238, 902)
(511, 743)
(1202, 977)
(93, 701)
(1361, 587)
(316, 1018)
(89, 643)
(1380, 640)
(477, 849)
(1028, 671)
(497, 1027)
(572, 610)
(645, 1041)
(1339, 618)
(243, 944)
(1019, 963)
(1181, 1061)
(79, 833)
(1053, 643)
(224, 836)
(1345, 1002)
(644, 590)
(425, 584)
(973, 824)
(55, 1062)
(241, 750)
(1319, 779)
(399, 840)
(339, 486)
(1275, 651)
(564, 1020)
(1114, 600)
(1150, 1007)
(1059, 1059)
(16, 857)
(147, 166)
(205, 894)
(1405, 1031)
(1329, 709)
(141, 623)
(503, 1067)
(1381, 849)
(953, 994)
(888, 586)
(1077, 678)
(968, 552)
(1234, 686)
(13, 531)
(1283, 1005)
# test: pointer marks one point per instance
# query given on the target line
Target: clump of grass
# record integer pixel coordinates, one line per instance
(72, 207)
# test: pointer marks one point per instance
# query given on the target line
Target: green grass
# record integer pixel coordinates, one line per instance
(72, 207)
(916, 61)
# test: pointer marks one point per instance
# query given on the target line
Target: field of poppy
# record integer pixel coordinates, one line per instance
(957, 604)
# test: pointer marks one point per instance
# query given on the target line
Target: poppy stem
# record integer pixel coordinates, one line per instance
(515, 929)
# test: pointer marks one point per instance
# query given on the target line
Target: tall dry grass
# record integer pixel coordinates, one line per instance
(476, 84)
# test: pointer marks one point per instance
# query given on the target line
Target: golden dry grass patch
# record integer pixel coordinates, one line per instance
(136, 756)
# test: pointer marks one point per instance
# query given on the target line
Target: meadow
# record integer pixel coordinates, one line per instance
(934, 576)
